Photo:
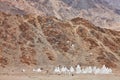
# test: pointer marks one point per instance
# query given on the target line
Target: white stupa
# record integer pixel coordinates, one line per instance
(78, 69)
(57, 70)
(97, 71)
(84, 71)
(105, 70)
(88, 69)
(72, 70)
(94, 69)
(110, 70)
(38, 70)
(63, 70)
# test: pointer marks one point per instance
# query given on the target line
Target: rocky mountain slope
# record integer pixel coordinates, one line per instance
(47, 41)
(103, 13)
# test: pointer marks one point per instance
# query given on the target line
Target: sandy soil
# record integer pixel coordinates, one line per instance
(37, 76)
(7, 74)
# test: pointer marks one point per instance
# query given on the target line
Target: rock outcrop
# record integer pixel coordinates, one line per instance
(103, 13)
(39, 41)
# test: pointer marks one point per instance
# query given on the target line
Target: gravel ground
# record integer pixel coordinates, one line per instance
(38, 76)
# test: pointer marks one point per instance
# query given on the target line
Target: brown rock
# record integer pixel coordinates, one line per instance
(49, 41)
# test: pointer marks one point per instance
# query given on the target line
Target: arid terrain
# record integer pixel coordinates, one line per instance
(55, 77)
(102, 13)
(45, 34)
(58, 77)
(39, 41)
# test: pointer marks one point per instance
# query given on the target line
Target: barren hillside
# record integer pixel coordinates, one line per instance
(103, 13)
(39, 41)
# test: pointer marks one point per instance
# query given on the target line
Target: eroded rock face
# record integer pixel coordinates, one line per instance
(35, 40)
(103, 13)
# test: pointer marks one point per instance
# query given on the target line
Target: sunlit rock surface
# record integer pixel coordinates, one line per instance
(40, 41)
(103, 13)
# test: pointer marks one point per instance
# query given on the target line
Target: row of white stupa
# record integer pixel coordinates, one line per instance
(79, 70)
